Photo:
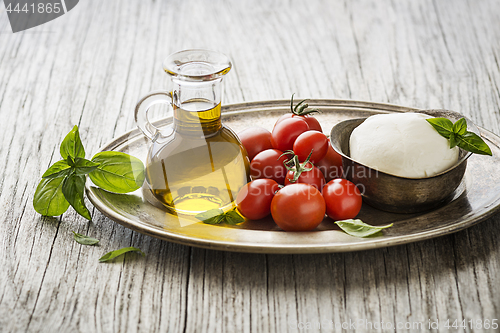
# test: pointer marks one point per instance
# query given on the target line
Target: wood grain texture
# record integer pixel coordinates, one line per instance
(89, 68)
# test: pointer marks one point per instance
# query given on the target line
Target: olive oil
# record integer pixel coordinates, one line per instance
(201, 166)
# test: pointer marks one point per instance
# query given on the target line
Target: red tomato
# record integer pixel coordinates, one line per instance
(255, 140)
(313, 177)
(286, 131)
(298, 207)
(254, 199)
(268, 164)
(343, 199)
(309, 141)
(331, 164)
(310, 120)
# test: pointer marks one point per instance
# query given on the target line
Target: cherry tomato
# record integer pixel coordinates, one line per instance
(343, 199)
(255, 140)
(254, 199)
(313, 177)
(313, 123)
(331, 164)
(298, 207)
(268, 164)
(286, 131)
(309, 141)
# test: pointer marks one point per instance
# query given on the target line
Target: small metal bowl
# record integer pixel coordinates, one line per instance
(394, 193)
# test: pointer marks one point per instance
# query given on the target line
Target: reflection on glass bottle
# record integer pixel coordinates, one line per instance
(201, 166)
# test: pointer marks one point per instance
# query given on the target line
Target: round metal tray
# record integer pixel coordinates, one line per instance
(477, 198)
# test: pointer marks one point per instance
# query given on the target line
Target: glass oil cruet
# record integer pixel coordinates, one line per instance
(197, 163)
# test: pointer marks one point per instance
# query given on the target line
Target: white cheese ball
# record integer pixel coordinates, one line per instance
(402, 144)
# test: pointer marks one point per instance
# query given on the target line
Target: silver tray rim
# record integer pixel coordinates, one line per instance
(279, 248)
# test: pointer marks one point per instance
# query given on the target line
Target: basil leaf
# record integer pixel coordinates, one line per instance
(217, 216)
(72, 188)
(453, 140)
(72, 145)
(212, 216)
(233, 218)
(84, 240)
(83, 166)
(215, 219)
(117, 172)
(358, 228)
(113, 254)
(58, 169)
(472, 142)
(70, 161)
(444, 126)
(459, 136)
(460, 126)
(49, 199)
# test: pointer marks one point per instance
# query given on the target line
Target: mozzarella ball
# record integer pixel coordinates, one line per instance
(402, 144)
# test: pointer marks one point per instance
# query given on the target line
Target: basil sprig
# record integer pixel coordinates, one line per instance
(459, 136)
(217, 216)
(63, 184)
(358, 228)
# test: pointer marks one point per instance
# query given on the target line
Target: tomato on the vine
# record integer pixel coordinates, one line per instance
(311, 142)
(301, 111)
(331, 164)
(312, 177)
(305, 172)
(313, 123)
(269, 164)
(285, 133)
(254, 199)
(343, 199)
(255, 140)
(298, 207)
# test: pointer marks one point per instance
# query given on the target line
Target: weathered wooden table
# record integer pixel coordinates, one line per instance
(90, 66)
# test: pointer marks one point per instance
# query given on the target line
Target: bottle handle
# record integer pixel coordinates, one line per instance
(142, 108)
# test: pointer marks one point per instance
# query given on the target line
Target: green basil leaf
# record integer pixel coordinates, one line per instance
(49, 199)
(73, 188)
(459, 136)
(113, 254)
(358, 228)
(453, 140)
(212, 216)
(70, 161)
(58, 169)
(84, 240)
(72, 145)
(217, 216)
(215, 220)
(472, 142)
(460, 126)
(83, 166)
(442, 125)
(117, 172)
(233, 218)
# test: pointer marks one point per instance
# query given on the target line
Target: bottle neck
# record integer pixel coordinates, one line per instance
(193, 121)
